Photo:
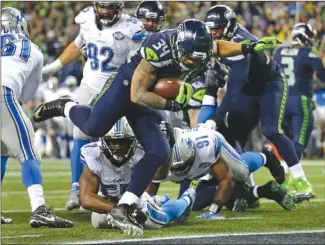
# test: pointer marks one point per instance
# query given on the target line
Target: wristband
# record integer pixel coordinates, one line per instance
(56, 65)
(245, 49)
(172, 105)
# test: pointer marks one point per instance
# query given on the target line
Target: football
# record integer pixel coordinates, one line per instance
(167, 88)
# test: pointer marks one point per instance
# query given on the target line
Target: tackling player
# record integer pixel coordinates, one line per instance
(200, 151)
(21, 72)
(107, 167)
(184, 51)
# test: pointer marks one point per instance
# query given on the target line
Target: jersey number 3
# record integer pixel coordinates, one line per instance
(289, 70)
(92, 54)
(8, 47)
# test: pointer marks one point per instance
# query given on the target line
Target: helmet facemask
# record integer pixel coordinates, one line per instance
(108, 13)
(304, 34)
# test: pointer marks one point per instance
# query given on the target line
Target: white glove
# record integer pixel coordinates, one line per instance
(50, 69)
(209, 124)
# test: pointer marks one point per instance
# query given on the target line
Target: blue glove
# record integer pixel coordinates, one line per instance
(210, 216)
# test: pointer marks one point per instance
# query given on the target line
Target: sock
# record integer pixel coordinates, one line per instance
(128, 198)
(143, 173)
(74, 186)
(174, 209)
(31, 173)
(4, 160)
(36, 196)
(252, 195)
(285, 166)
(68, 107)
(285, 148)
(251, 181)
(297, 171)
(76, 166)
(253, 160)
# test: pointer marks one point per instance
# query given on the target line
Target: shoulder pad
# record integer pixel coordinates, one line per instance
(84, 15)
(91, 151)
(137, 31)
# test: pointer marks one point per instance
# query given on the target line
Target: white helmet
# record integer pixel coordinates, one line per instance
(71, 82)
(119, 143)
(53, 83)
(184, 153)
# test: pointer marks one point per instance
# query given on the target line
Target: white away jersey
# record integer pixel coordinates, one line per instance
(21, 65)
(107, 49)
(209, 146)
(114, 180)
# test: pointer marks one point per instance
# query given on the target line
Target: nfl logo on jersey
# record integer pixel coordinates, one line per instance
(118, 35)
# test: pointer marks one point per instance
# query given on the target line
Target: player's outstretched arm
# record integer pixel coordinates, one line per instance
(89, 186)
(226, 49)
(69, 55)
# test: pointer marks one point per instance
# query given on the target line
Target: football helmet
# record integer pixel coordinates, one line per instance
(12, 20)
(222, 20)
(107, 12)
(119, 143)
(304, 34)
(183, 152)
(192, 46)
(71, 82)
(152, 15)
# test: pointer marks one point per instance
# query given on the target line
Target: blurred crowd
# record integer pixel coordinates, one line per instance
(52, 26)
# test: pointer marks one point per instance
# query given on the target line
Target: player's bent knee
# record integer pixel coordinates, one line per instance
(270, 132)
(98, 221)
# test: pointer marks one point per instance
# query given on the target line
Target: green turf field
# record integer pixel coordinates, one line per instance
(56, 179)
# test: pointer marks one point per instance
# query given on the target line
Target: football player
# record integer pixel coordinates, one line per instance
(200, 151)
(184, 51)
(21, 73)
(299, 61)
(108, 36)
(256, 90)
(107, 167)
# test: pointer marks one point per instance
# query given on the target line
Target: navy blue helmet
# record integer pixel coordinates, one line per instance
(192, 47)
(222, 19)
(304, 34)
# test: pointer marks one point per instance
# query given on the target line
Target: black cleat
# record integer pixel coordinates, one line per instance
(127, 218)
(273, 164)
(51, 109)
(276, 193)
(42, 216)
(5, 220)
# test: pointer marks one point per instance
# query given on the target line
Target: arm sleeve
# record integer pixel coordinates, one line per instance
(237, 78)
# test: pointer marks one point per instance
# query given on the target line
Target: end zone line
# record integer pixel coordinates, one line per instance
(197, 236)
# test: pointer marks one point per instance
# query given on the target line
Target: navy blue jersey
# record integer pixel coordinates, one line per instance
(299, 64)
(157, 50)
(247, 74)
(256, 69)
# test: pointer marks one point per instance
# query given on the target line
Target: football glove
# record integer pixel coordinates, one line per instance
(210, 216)
(261, 45)
(184, 94)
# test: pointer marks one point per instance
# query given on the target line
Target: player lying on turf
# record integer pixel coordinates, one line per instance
(107, 166)
(200, 151)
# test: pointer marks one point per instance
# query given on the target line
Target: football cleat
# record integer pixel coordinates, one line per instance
(273, 164)
(253, 205)
(5, 220)
(240, 205)
(127, 218)
(303, 189)
(42, 216)
(73, 201)
(51, 109)
(276, 193)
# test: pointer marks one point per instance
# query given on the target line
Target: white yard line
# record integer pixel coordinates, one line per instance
(197, 236)
(22, 236)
